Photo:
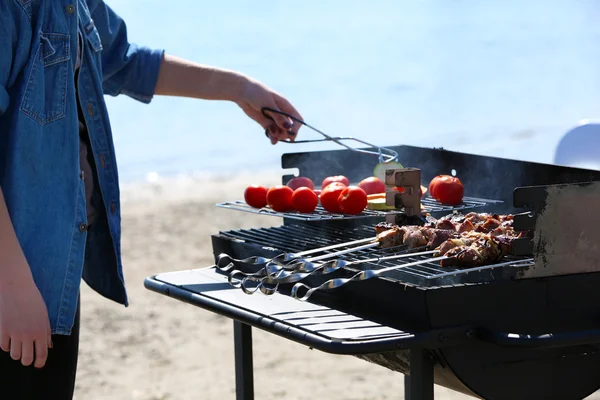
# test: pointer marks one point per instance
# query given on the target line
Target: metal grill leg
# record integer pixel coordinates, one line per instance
(420, 381)
(244, 380)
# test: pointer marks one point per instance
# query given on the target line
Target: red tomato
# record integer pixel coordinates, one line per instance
(337, 178)
(449, 190)
(353, 200)
(304, 200)
(330, 195)
(256, 196)
(279, 198)
(432, 185)
(372, 185)
(301, 181)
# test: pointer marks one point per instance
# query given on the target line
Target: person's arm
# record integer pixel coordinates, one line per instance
(25, 330)
(140, 72)
(179, 77)
(24, 326)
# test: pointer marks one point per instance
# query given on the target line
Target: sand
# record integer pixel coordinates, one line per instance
(160, 348)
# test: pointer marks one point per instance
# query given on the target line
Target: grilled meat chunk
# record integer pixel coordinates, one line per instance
(391, 237)
(453, 243)
(383, 226)
(445, 224)
(439, 236)
(415, 238)
(466, 226)
(453, 255)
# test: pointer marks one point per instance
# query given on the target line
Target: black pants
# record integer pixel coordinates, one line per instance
(56, 380)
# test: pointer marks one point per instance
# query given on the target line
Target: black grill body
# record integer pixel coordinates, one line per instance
(488, 363)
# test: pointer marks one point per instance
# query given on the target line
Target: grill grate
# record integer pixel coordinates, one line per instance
(429, 205)
(295, 238)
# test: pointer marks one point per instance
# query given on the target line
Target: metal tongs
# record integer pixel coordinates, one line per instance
(384, 154)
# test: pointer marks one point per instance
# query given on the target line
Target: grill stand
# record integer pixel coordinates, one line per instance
(244, 377)
(283, 316)
(417, 386)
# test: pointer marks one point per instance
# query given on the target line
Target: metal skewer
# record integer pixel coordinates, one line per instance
(269, 284)
(284, 261)
(360, 276)
(272, 270)
(226, 263)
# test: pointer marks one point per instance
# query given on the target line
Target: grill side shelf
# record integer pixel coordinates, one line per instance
(564, 222)
(308, 324)
(301, 326)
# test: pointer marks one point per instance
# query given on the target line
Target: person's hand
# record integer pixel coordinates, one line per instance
(25, 330)
(257, 95)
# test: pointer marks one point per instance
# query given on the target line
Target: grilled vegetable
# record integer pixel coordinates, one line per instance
(380, 168)
(378, 203)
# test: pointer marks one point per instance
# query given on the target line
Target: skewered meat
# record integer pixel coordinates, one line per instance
(477, 239)
(391, 237)
(445, 224)
(452, 226)
(411, 236)
(439, 236)
(451, 244)
(415, 238)
(477, 217)
(485, 250)
(466, 226)
(383, 226)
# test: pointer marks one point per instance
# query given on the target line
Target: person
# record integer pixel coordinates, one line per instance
(59, 186)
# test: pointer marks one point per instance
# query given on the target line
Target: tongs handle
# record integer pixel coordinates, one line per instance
(384, 154)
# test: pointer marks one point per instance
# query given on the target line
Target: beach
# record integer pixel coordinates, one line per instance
(159, 348)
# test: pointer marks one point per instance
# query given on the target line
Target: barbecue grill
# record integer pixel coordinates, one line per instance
(526, 327)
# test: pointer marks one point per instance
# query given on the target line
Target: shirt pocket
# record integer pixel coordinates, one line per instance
(45, 96)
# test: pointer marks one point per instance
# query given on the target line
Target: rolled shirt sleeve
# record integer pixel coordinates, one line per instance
(7, 42)
(128, 68)
(15, 39)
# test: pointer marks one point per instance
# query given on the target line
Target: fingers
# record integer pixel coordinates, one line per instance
(27, 352)
(273, 130)
(286, 107)
(4, 341)
(24, 350)
(15, 349)
(41, 353)
(283, 122)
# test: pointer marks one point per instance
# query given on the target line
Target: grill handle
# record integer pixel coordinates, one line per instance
(547, 340)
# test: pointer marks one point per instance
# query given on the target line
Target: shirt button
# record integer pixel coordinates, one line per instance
(83, 227)
(70, 9)
(82, 175)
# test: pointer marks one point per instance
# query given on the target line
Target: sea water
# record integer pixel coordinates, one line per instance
(503, 78)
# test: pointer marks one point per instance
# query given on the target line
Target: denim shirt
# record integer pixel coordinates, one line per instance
(39, 141)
